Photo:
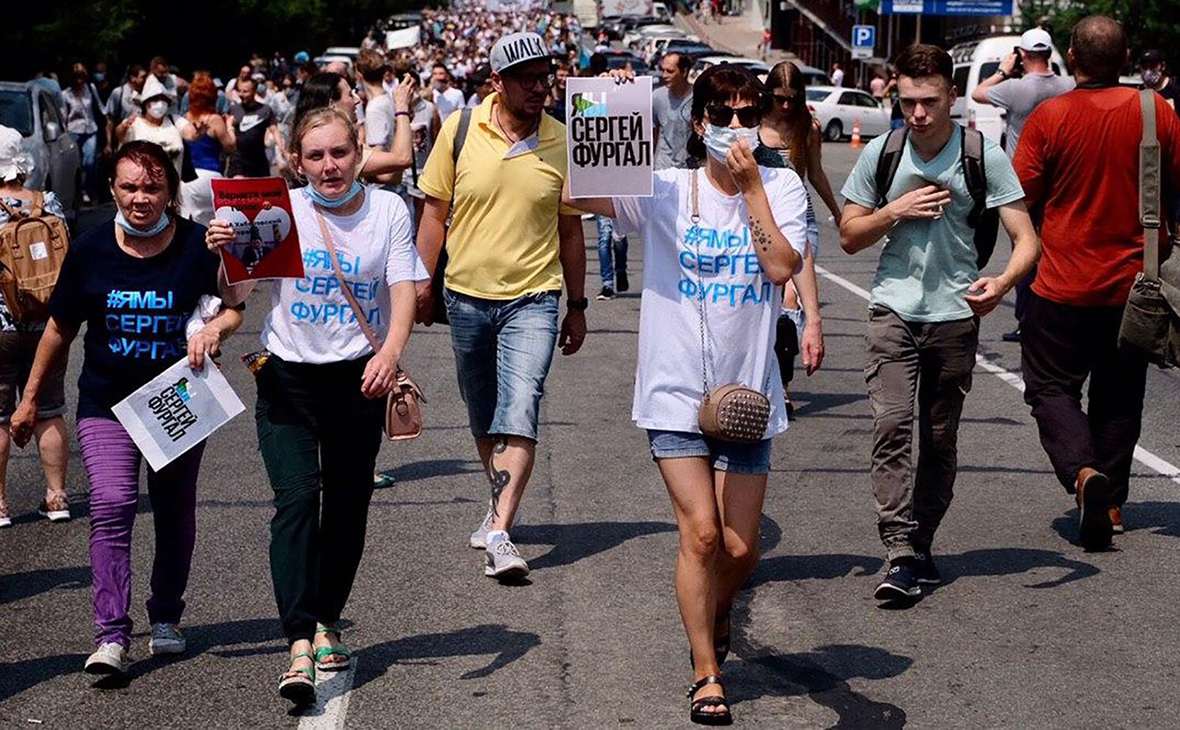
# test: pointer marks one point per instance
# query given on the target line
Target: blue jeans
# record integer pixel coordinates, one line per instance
(88, 148)
(606, 264)
(728, 456)
(503, 350)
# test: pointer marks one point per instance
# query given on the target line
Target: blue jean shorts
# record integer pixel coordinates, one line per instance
(503, 350)
(723, 455)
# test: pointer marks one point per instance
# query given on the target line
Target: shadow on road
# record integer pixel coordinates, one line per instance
(1010, 561)
(19, 586)
(416, 470)
(572, 543)
(506, 645)
(1162, 518)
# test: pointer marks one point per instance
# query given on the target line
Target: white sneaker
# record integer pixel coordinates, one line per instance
(110, 658)
(479, 538)
(167, 639)
(57, 511)
(503, 560)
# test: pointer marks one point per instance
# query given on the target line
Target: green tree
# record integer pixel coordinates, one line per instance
(1147, 23)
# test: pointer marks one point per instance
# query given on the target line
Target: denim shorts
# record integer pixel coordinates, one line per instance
(503, 350)
(724, 455)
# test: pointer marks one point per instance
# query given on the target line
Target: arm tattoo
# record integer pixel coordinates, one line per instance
(498, 478)
(760, 236)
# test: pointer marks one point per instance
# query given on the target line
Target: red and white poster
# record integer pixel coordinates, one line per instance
(267, 243)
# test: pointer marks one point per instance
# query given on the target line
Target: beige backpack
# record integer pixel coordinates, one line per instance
(33, 246)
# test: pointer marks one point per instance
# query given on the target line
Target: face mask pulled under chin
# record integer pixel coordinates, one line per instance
(718, 140)
(157, 109)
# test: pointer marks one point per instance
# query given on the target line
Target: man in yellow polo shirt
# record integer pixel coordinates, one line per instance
(510, 245)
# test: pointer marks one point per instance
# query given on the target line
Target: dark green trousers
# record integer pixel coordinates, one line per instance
(319, 438)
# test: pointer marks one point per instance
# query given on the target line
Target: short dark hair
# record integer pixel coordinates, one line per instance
(1099, 47)
(683, 60)
(152, 158)
(598, 64)
(923, 60)
(717, 85)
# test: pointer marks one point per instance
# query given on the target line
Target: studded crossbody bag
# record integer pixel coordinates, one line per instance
(730, 412)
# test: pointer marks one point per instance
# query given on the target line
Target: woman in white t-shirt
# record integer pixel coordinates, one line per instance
(720, 242)
(156, 123)
(321, 389)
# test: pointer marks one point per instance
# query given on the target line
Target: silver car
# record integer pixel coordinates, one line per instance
(29, 108)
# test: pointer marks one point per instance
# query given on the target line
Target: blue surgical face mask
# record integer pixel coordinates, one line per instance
(99, 77)
(718, 140)
(122, 222)
(326, 202)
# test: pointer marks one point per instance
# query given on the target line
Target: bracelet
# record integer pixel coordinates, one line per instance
(1002, 74)
(399, 114)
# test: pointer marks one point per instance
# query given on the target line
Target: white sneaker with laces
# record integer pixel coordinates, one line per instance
(503, 559)
(479, 538)
(167, 639)
(109, 658)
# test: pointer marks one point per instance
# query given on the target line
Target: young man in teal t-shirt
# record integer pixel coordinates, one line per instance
(925, 304)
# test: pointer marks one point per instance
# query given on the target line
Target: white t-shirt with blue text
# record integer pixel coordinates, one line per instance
(716, 267)
(310, 320)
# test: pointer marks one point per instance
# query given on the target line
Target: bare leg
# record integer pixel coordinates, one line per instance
(53, 446)
(508, 461)
(739, 499)
(5, 446)
(690, 485)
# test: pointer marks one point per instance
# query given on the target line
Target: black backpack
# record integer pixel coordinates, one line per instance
(439, 310)
(985, 222)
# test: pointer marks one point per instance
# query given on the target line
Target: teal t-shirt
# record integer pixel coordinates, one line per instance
(927, 266)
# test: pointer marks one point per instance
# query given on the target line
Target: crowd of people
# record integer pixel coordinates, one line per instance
(454, 206)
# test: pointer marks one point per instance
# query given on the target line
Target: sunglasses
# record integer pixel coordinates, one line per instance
(721, 115)
(785, 98)
(531, 81)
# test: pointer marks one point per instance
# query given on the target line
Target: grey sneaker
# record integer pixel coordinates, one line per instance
(109, 658)
(479, 538)
(504, 562)
(167, 639)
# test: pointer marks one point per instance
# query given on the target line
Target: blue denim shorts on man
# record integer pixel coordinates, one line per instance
(723, 455)
(503, 350)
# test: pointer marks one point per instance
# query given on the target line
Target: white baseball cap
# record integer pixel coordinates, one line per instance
(1036, 40)
(14, 161)
(517, 48)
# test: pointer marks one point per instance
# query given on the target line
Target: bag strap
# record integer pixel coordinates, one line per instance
(695, 219)
(361, 319)
(974, 171)
(888, 163)
(1149, 187)
(13, 215)
(457, 148)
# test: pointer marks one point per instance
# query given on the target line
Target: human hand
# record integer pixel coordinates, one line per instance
(620, 75)
(402, 93)
(743, 167)
(812, 347)
(20, 427)
(573, 332)
(380, 375)
(220, 233)
(206, 342)
(985, 294)
(424, 302)
(924, 203)
(1008, 65)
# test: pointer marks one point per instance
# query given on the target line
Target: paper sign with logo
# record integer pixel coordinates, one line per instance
(176, 410)
(609, 135)
(267, 243)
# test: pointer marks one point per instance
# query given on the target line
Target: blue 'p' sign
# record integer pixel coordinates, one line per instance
(864, 36)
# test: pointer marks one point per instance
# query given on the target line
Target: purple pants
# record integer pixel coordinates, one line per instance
(112, 466)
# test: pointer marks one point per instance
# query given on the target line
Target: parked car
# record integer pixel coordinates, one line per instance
(692, 49)
(57, 163)
(757, 67)
(640, 38)
(838, 109)
(976, 61)
(351, 52)
(622, 59)
(813, 76)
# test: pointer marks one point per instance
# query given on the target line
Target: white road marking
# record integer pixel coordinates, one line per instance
(331, 700)
(1142, 455)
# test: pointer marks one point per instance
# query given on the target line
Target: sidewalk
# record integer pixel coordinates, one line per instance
(740, 34)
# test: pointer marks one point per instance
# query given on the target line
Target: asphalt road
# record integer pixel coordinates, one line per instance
(1029, 631)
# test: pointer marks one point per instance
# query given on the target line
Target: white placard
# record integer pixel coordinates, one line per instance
(609, 134)
(402, 38)
(176, 410)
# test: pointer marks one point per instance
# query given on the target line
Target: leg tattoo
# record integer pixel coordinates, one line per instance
(499, 478)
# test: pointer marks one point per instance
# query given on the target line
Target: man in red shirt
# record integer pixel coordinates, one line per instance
(1078, 161)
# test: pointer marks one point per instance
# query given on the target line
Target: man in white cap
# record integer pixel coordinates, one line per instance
(511, 246)
(1019, 94)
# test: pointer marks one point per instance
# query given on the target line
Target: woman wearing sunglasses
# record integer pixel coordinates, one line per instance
(790, 137)
(720, 241)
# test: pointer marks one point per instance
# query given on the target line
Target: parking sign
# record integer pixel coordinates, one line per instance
(864, 36)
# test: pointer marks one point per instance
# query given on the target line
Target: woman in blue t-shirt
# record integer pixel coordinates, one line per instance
(134, 282)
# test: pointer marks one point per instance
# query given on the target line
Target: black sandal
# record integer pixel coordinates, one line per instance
(720, 645)
(696, 707)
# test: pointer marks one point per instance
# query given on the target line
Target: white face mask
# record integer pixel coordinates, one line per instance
(157, 109)
(718, 140)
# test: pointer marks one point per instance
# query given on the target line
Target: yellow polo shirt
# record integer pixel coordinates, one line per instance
(503, 240)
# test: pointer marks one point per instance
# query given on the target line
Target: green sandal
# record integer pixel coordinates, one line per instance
(300, 686)
(324, 652)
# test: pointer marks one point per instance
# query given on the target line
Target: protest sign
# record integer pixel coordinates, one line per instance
(609, 135)
(267, 243)
(176, 410)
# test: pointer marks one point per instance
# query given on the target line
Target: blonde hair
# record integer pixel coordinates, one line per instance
(322, 117)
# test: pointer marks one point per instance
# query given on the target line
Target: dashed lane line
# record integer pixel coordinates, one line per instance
(331, 700)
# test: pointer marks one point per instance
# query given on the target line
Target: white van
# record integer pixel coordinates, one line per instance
(978, 60)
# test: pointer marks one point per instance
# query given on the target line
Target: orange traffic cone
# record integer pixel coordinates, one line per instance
(856, 132)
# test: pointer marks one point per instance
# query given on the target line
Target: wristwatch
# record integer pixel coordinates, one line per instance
(578, 305)
(1003, 74)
